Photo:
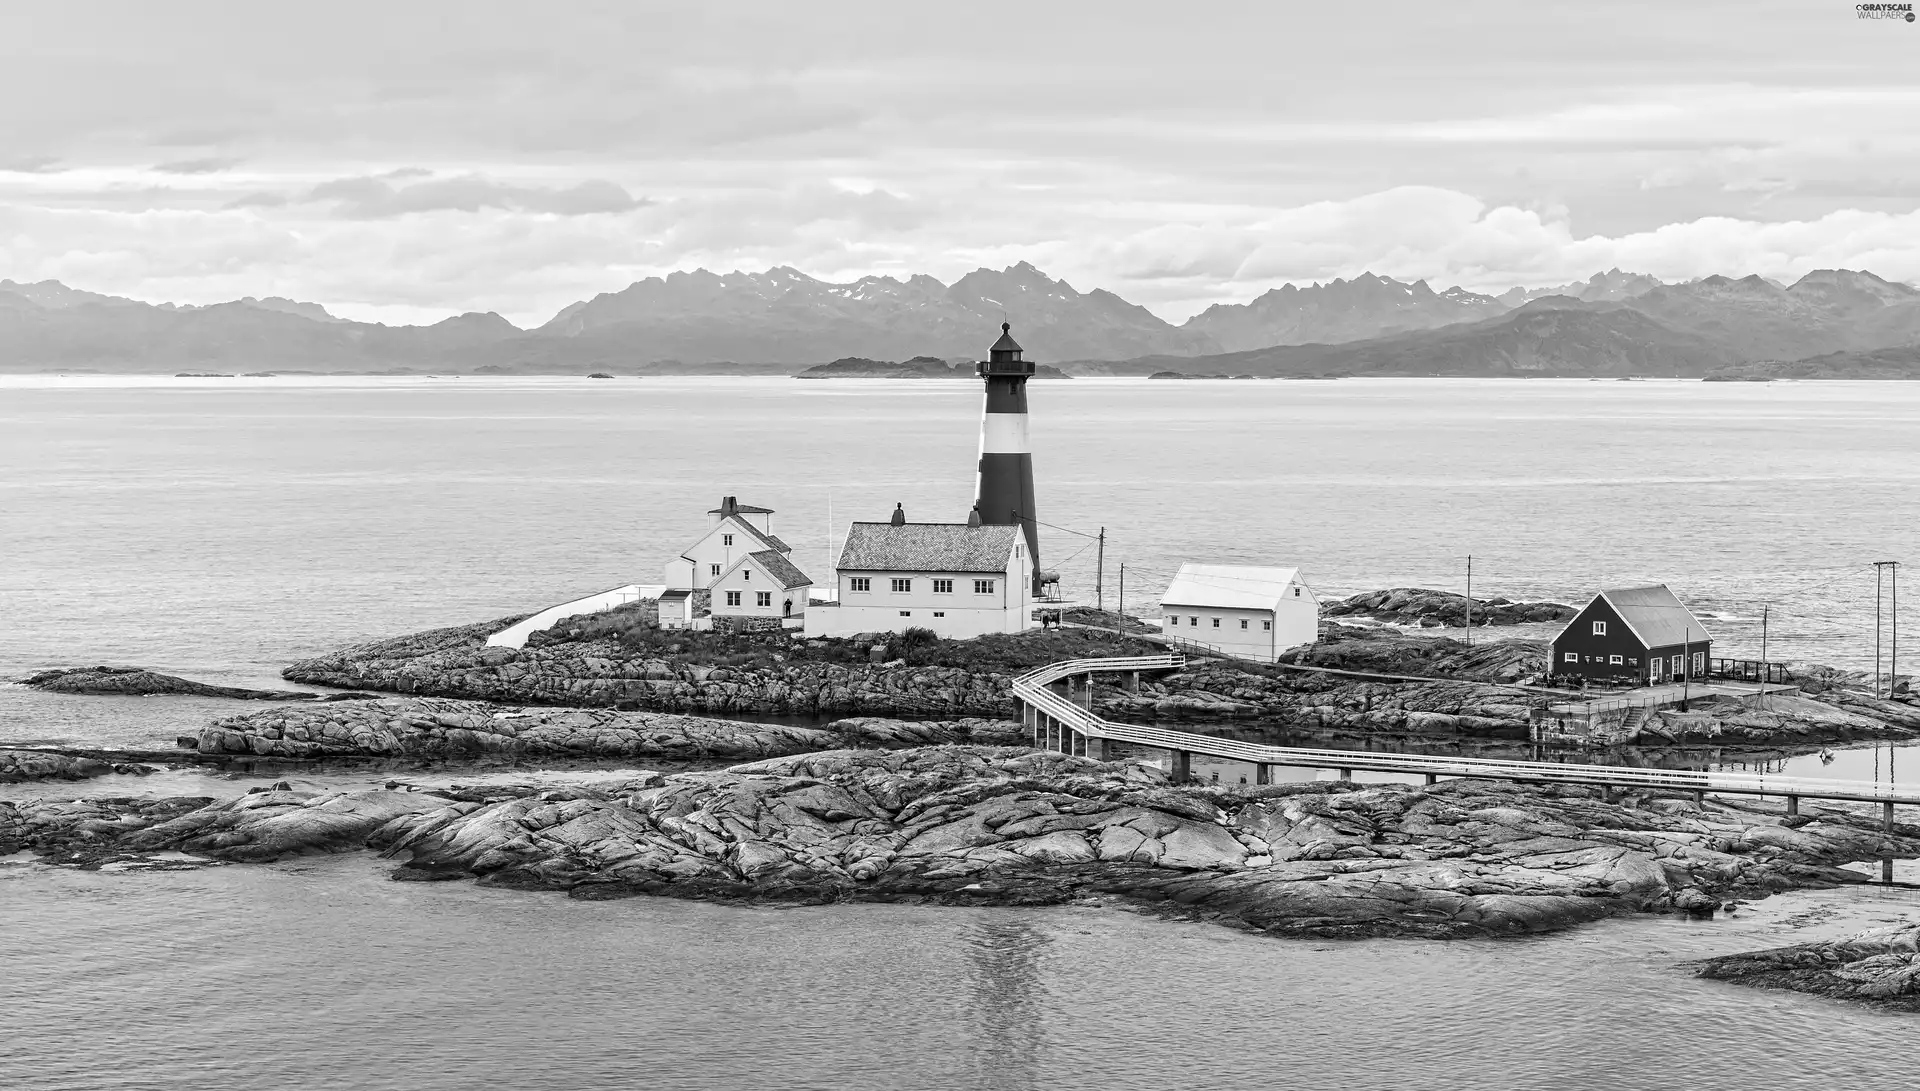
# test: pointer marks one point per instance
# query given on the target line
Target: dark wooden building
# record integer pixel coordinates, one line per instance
(1633, 636)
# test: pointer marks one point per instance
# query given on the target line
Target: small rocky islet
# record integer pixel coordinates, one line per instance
(921, 791)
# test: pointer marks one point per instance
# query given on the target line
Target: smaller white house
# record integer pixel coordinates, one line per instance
(1246, 610)
(676, 609)
(959, 579)
(764, 587)
(734, 530)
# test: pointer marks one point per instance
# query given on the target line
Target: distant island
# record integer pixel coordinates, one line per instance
(919, 367)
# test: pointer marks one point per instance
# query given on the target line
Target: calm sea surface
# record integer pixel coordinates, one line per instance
(219, 528)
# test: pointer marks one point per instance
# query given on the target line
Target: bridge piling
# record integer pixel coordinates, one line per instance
(1433, 778)
(1262, 773)
(1346, 774)
(1182, 766)
(1793, 804)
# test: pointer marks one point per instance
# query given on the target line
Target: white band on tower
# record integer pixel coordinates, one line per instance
(1003, 434)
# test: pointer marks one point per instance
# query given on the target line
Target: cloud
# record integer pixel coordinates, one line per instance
(209, 165)
(373, 197)
(30, 164)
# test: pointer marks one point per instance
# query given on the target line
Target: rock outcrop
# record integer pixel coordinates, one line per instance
(141, 682)
(440, 728)
(24, 765)
(1879, 967)
(1428, 608)
(975, 825)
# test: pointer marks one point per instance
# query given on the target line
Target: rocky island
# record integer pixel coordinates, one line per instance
(995, 826)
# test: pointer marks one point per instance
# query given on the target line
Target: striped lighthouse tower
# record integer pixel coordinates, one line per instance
(1005, 494)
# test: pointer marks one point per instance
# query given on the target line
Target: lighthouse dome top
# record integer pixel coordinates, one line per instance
(1005, 357)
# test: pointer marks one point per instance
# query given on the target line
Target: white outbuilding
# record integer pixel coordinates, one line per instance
(1251, 611)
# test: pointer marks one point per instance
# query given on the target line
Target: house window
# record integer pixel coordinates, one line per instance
(1194, 621)
(733, 598)
(716, 569)
(1173, 619)
(860, 583)
(1633, 662)
(943, 587)
(1699, 662)
(763, 598)
(939, 613)
(1296, 592)
(983, 587)
(902, 585)
(1572, 657)
(1615, 661)
(906, 613)
(746, 573)
(1267, 626)
(1216, 623)
(1243, 623)
(1599, 628)
(726, 539)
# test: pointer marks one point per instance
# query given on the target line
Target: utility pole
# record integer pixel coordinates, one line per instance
(1886, 577)
(1122, 608)
(1469, 600)
(1686, 666)
(1100, 573)
(1766, 671)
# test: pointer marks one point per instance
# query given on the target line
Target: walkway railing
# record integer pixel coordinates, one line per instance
(1060, 724)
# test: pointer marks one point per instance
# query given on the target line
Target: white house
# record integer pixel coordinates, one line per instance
(734, 530)
(958, 579)
(1246, 610)
(763, 587)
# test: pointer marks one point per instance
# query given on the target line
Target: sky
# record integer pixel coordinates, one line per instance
(406, 162)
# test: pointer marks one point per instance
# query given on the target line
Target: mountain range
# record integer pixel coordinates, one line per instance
(1837, 322)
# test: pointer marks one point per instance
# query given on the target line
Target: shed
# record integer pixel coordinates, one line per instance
(1633, 636)
(1252, 611)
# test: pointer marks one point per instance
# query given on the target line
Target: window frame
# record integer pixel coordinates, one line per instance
(733, 598)
(861, 584)
(1599, 628)
(939, 590)
(984, 587)
(763, 598)
(1570, 657)
(900, 585)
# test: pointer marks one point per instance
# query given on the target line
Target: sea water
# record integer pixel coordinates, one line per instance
(219, 528)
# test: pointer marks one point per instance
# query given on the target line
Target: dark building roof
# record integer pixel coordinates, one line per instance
(665, 595)
(1006, 342)
(928, 547)
(1655, 615)
(780, 568)
(740, 509)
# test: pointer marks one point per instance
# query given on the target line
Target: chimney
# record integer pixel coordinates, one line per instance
(1004, 495)
(973, 518)
(729, 505)
(899, 516)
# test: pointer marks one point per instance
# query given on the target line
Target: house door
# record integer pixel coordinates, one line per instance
(1653, 666)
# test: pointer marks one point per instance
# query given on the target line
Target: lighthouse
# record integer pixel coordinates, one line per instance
(1004, 495)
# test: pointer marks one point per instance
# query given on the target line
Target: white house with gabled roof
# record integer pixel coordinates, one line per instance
(734, 530)
(958, 579)
(1251, 611)
(762, 585)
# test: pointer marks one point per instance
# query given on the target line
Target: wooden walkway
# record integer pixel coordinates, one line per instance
(1064, 722)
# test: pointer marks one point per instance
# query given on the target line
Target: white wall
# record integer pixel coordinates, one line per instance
(712, 549)
(515, 635)
(1296, 621)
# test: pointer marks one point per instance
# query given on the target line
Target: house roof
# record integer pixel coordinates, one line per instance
(776, 566)
(1230, 586)
(743, 509)
(757, 535)
(665, 595)
(1655, 615)
(928, 547)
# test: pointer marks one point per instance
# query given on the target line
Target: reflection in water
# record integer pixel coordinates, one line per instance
(1005, 979)
(1881, 762)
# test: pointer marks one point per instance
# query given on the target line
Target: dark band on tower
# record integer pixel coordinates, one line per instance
(1004, 496)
